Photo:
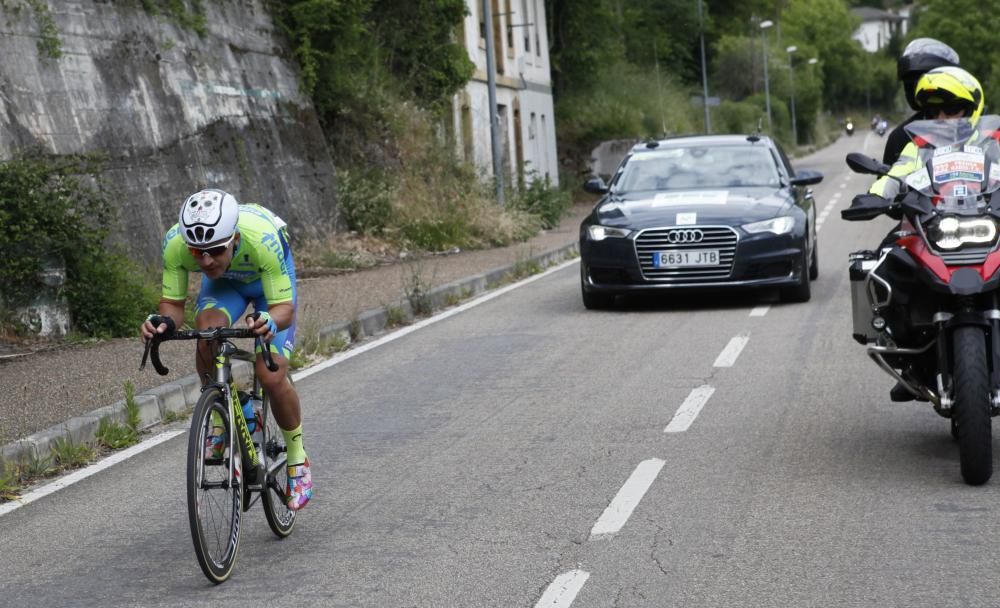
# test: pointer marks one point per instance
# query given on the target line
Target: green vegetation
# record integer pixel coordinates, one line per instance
(960, 23)
(10, 484)
(177, 10)
(311, 345)
(114, 435)
(71, 455)
(630, 70)
(49, 45)
(57, 213)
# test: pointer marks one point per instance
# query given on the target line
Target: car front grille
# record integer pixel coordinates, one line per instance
(659, 239)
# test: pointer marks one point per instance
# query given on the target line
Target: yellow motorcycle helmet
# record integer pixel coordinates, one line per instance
(950, 89)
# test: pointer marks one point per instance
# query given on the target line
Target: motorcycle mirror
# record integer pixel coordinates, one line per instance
(859, 163)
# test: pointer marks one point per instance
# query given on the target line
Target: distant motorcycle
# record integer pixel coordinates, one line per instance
(849, 127)
(882, 126)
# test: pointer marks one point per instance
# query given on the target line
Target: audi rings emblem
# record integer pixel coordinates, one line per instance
(676, 237)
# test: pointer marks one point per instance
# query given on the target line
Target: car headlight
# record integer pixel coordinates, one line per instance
(952, 232)
(599, 233)
(778, 225)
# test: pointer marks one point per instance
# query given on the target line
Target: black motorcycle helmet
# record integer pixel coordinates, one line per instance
(919, 57)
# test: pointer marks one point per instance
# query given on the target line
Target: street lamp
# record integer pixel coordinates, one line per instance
(791, 78)
(767, 90)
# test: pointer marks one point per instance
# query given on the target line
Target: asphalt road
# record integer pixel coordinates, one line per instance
(527, 452)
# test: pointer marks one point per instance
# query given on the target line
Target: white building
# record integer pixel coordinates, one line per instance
(878, 26)
(523, 93)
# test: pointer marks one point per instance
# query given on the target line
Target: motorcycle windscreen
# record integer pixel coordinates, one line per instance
(959, 162)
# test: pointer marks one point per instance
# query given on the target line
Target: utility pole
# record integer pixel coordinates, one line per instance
(704, 72)
(491, 85)
(767, 87)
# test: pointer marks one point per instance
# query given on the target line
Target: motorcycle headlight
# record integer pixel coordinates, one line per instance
(952, 232)
(599, 233)
(778, 225)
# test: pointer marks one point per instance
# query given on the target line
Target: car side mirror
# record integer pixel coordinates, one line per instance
(859, 163)
(807, 177)
(595, 185)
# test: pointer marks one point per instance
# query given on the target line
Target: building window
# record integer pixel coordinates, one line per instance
(537, 21)
(468, 137)
(482, 24)
(508, 16)
(526, 25)
(498, 37)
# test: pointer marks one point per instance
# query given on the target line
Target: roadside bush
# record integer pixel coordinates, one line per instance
(364, 197)
(52, 209)
(538, 197)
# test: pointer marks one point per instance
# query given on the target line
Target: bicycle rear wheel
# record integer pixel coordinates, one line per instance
(280, 518)
(214, 490)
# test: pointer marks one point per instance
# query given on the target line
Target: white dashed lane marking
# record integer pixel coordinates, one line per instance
(688, 410)
(759, 311)
(729, 354)
(562, 591)
(628, 497)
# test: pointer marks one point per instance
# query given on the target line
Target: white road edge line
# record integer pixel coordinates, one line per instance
(732, 351)
(688, 410)
(82, 474)
(759, 311)
(354, 352)
(628, 497)
(117, 457)
(562, 591)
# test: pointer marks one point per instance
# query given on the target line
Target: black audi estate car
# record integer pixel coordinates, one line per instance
(697, 213)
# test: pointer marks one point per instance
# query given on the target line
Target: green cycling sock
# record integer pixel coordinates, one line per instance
(293, 441)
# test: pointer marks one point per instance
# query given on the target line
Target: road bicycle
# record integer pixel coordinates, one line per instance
(252, 467)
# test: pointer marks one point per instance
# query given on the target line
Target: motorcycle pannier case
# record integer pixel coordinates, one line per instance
(861, 263)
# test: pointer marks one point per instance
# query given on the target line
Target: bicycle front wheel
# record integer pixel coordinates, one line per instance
(280, 518)
(214, 488)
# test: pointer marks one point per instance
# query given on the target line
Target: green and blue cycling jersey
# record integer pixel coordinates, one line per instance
(262, 272)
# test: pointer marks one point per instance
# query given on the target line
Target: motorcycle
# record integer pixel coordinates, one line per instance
(928, 308)
(849, 127)
(881, 128)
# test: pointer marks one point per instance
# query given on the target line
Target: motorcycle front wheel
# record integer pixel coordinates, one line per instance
(971, 411)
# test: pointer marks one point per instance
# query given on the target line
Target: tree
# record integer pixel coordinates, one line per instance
(960, 24)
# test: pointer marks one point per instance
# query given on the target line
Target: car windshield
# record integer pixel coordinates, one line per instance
(699, 167)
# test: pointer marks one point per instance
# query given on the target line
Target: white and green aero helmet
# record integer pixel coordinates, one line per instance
(208, 218)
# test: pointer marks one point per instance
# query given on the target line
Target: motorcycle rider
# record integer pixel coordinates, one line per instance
(942, 93)
(920, 56)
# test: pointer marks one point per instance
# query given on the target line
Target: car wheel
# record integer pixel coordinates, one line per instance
(801, 291)
(814, 264)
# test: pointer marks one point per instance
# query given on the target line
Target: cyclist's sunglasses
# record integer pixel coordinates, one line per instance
(212, 251)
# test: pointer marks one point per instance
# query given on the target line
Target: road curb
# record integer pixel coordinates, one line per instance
(178, 396)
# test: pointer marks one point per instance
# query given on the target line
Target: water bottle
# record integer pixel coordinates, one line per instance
(252, 411)
(250, 415)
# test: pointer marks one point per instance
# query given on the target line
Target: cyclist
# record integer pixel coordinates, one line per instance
(243, 254)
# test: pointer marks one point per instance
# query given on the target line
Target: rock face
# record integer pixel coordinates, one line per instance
(172, 111)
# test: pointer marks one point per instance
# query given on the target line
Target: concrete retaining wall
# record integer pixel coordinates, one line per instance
(173, 111)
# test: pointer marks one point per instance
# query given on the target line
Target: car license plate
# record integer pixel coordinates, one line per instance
(691, 257)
